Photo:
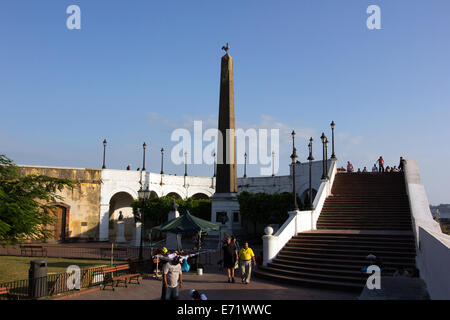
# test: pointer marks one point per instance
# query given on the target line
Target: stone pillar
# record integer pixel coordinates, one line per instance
(120, 231)
(173, 241)
(104, 222)
(269, 246)
(137, 234)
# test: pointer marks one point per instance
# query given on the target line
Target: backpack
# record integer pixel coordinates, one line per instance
(185, 267)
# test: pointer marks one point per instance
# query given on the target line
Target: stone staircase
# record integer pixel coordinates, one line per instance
(365, 214)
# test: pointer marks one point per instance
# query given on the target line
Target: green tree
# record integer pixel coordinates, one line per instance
(25, 212)
(266, 208)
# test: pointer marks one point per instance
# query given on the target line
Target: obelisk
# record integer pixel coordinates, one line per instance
(225, 206)
(226, 154)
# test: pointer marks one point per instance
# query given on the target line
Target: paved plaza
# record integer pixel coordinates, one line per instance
(213, 283)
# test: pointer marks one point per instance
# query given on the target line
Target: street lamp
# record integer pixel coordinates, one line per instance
(273, 163)
(143, 195)
(143, 161)
(310, 158)
(104, 153)
(162, 160)
(323, 138)
(214, 155)
(294, 158)
(326, 159)
(185, 164)
(245, 165)
(333, 156)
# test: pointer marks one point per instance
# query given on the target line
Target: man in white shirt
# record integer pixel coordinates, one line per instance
(172, 279)
(374, 168)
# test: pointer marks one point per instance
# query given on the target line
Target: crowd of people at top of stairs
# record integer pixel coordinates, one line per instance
(375, 168)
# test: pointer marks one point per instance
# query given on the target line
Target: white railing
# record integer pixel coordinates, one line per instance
(432, 246)
(298, 221)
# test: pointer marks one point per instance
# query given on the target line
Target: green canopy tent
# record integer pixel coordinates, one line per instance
(187, 223)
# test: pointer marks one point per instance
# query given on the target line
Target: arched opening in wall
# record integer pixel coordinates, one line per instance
(305, 196)
(121, 212)
(61, 227)
(199, 196)
(153, 195)
(174, 195)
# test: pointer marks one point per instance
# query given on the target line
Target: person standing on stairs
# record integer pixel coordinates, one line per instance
(401, 165)
(349, 166)
(380, 164)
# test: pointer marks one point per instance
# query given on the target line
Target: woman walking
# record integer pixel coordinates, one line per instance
(229, 258)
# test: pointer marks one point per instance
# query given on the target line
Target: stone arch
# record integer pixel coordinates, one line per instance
(128, 190)
(305, 194)
(153, 194)
(120, 204)
(174, 194)
(200, 195)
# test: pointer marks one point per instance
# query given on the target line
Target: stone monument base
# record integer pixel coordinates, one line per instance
(120, 232)
(225, 206)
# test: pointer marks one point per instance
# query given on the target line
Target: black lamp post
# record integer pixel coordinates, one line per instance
(162, 160)
(310, 158)
(185, 164)
(323, 138)
(143, 195)
(273, 163)
(245, 165)
(104, 154)
(326, 159)
(294, 158)
(214, 155)
(333, 156)
(143, 160)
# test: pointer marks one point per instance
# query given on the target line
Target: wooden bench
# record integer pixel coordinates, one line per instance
(30, 250)
(110, 279)
(4, 291)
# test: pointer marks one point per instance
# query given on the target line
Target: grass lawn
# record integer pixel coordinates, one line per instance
(16, 268)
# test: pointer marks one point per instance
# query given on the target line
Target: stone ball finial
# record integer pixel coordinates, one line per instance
(268, 231)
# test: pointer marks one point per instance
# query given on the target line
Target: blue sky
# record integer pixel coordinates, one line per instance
(138, 69)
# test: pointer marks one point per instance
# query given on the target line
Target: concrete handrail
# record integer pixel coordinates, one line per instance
(432, 246)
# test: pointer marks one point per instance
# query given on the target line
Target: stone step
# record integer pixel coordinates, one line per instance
(318, 276)
(354, 246)
(266, 273)
(347, 243)
(336, 264)
(349, 251)
(296, 256)
(359, 261)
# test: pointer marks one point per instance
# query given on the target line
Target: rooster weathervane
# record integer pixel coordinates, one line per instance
(226, 48)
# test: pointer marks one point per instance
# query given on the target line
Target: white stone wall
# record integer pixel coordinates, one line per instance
(280, 184)
(116, 181)
(433, 246)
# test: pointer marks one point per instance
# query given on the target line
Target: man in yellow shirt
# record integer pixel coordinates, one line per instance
(246, 256)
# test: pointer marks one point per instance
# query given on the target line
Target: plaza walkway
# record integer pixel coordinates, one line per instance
(215, 286)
